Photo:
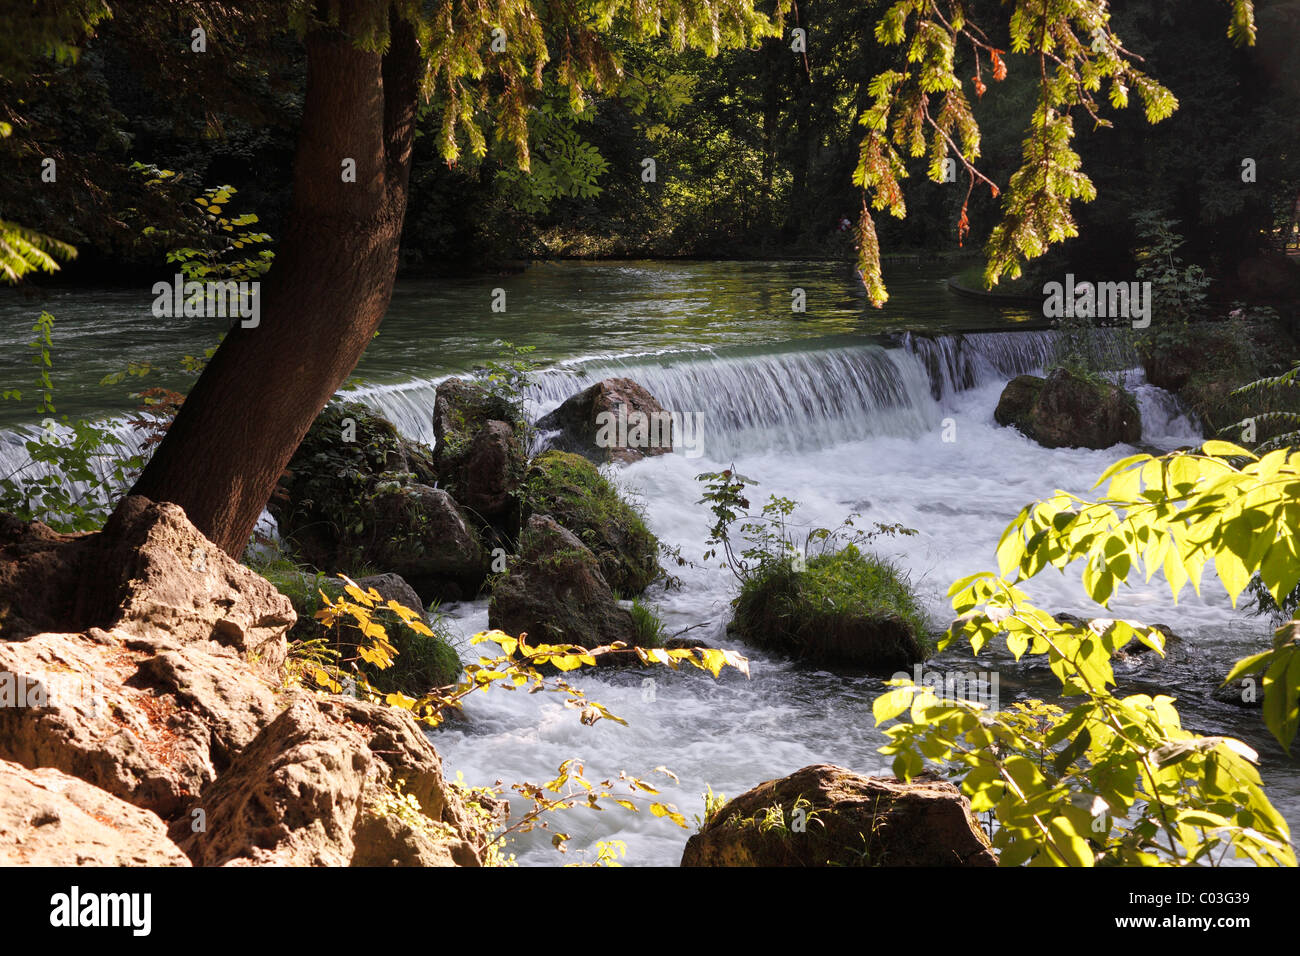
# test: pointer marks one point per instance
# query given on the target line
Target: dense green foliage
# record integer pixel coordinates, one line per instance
(755, 149)
(1118, 779)
(827, 604)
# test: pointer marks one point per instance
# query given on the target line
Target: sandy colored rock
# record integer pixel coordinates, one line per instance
(848, 820)
(48, 818)
(308, 791)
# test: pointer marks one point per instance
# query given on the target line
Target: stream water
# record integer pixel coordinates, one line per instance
(837, 408)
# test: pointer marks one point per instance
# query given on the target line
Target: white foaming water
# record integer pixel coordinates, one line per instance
(841, 430)
(733, 733)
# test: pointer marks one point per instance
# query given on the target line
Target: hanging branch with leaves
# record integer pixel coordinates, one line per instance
(921, 109)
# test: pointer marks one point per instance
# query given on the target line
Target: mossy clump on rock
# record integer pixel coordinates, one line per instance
(572, 490)
(846, 608)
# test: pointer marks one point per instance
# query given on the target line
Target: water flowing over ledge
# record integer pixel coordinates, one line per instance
(793, 397)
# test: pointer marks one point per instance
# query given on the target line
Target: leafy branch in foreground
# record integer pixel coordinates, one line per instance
(922, 109)
(1118, 780)
(518, 666)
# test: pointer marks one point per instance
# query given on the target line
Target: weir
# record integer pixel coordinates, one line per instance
(796, 396)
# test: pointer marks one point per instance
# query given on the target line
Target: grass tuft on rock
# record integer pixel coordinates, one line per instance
(846, 608)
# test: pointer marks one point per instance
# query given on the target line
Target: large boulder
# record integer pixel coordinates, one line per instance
(148, 573)
(48, 818)
(479, 450)
(828, 816)
(572, 490)
(347, 454)
(1066, 410)
(554, 592)
(321, 786)
(614, 420)
(422, 534)
(844, 609)
(165, 702)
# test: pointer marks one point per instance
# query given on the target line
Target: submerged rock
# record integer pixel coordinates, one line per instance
(1066, 410)
(554, 592)
(824, 815)
(572, 490)
(614, 420)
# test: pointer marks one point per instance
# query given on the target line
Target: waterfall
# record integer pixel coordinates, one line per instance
(793, 397)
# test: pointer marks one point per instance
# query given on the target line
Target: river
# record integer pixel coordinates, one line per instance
(836, 407)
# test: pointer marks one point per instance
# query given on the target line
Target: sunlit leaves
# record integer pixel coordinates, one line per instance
(1118, 779)
(1077, 55)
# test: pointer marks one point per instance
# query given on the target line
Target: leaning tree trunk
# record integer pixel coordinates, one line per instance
(322, 300)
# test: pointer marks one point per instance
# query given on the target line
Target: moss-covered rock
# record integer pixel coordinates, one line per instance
(554, 592)
(422, 534)
(572, 490)
(423, 662)
(348, 452)
(846, 608)
(479, 449)
(1068, 410)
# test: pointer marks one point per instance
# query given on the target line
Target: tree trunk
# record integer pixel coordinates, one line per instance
(322, 300)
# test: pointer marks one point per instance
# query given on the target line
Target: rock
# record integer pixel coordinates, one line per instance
(394, 587)
(572, 490)
(421, 534)
(554, 592)
(461, 409)
(348, 453)
(850, 820)
(148, 573)
(1068, 411)
(844, 610)
(588, 423)
(479, 450)
(172, 710)
(310, 791)
(148, 721)
(172, 672)
(487, 477)
(1017, 399)
(48, 818)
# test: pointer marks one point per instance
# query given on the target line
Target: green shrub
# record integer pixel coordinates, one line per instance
(421, 662)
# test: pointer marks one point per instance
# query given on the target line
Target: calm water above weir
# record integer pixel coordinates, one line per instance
(827, 407)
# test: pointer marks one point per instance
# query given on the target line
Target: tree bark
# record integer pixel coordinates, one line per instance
(323, 298)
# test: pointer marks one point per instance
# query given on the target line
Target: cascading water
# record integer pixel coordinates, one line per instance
(841, 427)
